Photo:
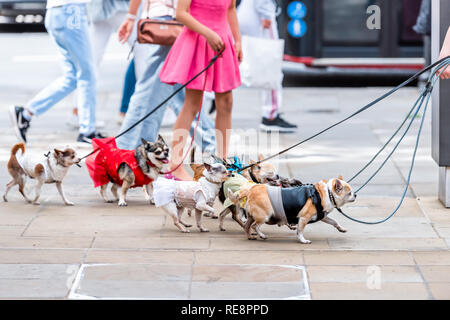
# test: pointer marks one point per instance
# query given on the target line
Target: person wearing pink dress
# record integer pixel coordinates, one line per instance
(210, 26)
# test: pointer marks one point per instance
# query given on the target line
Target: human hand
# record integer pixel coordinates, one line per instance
(125, 29)
(215, 41)
(266, 23)
(238, 48)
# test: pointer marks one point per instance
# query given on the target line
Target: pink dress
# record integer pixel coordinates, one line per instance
(191, 53)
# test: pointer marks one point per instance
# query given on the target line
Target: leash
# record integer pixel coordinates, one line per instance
(367, 106)
(213, 60)
(426, 94)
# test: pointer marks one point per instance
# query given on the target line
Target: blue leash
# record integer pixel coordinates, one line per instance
(426, 94)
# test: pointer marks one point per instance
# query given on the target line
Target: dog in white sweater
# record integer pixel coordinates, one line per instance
(173, 196)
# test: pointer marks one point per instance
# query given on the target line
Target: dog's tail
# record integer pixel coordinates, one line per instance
(13, 163)
(16, 148)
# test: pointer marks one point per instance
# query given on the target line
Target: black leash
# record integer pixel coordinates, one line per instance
(213, 60)
(367, 106)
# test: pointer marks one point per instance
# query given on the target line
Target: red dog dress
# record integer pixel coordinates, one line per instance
(103, 165)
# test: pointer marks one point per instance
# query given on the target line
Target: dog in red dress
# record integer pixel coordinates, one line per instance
(127, 168)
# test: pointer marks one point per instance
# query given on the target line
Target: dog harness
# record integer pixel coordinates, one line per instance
(287, 202)
(234, 184)
(104, 165)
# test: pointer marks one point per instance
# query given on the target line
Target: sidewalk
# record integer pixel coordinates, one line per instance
(99, 250)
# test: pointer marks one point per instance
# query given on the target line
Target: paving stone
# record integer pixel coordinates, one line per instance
(359, 291)
(249, 257)
(440, 290)
(45, 242)
(249, 290)
(432, 258)
(139, 256)
(280, 244)
(41, 281)
(358, 258)
(245, 273)
(355, 243)
(348, 274)
(150, 243)
(41, 256)
(113, 226)
(436, 273)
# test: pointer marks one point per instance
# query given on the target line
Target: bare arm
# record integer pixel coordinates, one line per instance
(193, 24)
(445, 51)
(127, 26)
(234, 26)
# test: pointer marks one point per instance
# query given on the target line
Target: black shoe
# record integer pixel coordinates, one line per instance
(88, 138)
(19, 123)
(277, 124)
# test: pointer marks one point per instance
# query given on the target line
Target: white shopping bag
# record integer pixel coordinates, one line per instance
(261, 66)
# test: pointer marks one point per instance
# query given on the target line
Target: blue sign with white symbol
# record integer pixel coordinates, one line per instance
(297, 28)
(296, 10)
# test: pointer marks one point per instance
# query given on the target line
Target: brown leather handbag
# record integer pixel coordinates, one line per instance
(162, 32)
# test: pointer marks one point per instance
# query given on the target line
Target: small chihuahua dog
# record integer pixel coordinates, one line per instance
(284, 206)
(129, 169)
(173, 196)
(44, 169)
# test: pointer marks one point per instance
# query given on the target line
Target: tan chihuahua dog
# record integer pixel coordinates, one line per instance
(300, 205)
(44, 169)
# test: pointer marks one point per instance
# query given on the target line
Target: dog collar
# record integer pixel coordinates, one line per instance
(252, 176)
(332, 199)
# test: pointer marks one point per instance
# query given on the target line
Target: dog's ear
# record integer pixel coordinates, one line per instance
(251, 162)
(144, 142)
(260, 156)
(338, 186)
(340, 177)
(58, 152)
(160, 138)
(207, 166)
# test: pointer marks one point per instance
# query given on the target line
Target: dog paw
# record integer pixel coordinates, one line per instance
(185, 231)
(304, 241)
(222, 229)
(342, 230)
(122, 204)
(69, 203)
(203, 230)
(252, 238)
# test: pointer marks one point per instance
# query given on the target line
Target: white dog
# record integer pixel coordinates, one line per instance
(173, 196)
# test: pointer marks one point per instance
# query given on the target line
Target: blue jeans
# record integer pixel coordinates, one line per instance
(150, 92)
(68, 27)
(128, 87)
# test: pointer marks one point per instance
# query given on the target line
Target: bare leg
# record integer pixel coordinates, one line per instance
(8, 187)
(334, 223)
(103, 193)
(181, 128)
(224, 106)
(63, 196)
